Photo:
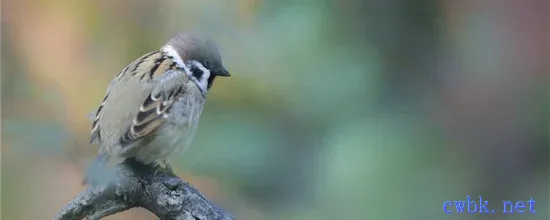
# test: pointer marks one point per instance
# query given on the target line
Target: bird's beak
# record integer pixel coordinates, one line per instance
(223, 72)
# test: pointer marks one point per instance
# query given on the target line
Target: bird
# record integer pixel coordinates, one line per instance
(152, 107)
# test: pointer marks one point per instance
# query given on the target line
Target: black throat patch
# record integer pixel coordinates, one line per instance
(196, 72)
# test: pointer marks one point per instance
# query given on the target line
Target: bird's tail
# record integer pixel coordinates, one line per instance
(96, 171)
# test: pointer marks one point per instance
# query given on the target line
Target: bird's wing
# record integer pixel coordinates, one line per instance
(154, 110)
(167, 80)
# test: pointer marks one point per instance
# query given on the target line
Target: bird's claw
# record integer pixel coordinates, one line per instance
(169, 169)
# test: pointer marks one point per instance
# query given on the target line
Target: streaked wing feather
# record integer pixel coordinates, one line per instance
(153, 112)
(149, 66)
(96, 135)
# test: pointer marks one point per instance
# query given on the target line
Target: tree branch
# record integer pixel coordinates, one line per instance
(138, 185)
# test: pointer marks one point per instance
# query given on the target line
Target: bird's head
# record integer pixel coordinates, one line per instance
(199, 54)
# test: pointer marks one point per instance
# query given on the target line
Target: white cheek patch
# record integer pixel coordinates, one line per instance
(203, 81)
(205, 72)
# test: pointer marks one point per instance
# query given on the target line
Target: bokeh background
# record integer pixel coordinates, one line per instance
(337, 109)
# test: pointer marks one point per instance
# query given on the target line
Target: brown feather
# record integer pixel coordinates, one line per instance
(150, 115)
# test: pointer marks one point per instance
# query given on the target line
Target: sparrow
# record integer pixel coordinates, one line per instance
(151, 109)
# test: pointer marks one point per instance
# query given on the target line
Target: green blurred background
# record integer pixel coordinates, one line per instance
(336, 109)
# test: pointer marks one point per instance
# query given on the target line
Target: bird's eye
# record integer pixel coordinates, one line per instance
(208, 63)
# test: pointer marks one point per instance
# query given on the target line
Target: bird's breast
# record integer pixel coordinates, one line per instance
(182, 123)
